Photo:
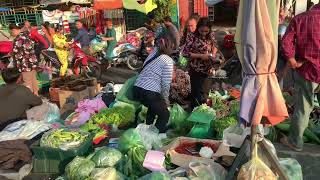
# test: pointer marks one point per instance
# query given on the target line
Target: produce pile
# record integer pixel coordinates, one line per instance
(186, 148)
(181, 88)
(63, 139)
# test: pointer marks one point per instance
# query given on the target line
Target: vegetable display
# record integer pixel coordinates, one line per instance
(79, 168)
(202, 114)
(63, 139)
(120, 116)
(105, 174)
(105, 157)
(220, 125)
(181, 88)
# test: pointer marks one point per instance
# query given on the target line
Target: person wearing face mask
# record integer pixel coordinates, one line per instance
(201, 49)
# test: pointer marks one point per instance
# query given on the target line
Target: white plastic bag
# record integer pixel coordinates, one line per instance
(207, 171)
(150, 136)
(46, 112)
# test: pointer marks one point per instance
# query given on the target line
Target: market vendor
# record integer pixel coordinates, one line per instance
(83, 36)
(301, 46)
(189, 28)
(153, 84)
(111, 38)
(201, 49)
(24, 57)
(15, 98)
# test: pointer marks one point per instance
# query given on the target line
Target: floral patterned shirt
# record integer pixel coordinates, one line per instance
(199, 46)
(23, 53)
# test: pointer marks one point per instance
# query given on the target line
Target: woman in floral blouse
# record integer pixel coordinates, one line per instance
(200, 49)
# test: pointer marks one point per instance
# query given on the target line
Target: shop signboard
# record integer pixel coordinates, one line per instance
(56, 15)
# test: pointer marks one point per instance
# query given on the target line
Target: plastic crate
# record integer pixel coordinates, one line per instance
(46, 153)
(48, 166)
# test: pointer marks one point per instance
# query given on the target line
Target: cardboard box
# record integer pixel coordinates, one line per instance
(54, 94)
(184, 160)
(94, 90)
(69, 99)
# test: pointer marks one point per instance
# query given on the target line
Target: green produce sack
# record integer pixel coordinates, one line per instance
(105, 157)
(130, 139)
(142, 116)
(292, 168)
(178, 116)
(201, 131)
(126, 92)
(79, 168)
(202, 114)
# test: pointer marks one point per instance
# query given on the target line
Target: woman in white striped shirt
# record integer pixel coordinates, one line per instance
(153, 84)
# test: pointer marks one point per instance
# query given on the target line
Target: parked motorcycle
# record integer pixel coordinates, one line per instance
(5, 50)
(123, 53)
(79, 62)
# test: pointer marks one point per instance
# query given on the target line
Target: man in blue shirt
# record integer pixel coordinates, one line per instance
(83, 36)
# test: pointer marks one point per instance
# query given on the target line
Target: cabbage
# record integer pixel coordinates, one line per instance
(106, 157)
(106, 174)
(79, 168)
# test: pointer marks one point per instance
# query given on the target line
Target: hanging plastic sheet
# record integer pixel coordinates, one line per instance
(107, 4)
(145, 7)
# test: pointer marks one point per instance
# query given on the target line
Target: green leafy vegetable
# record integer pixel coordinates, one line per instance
(106, 157)
(220, 125)
(202, 114)
(79, 168)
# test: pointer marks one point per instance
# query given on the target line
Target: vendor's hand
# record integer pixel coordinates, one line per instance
(294, 63)
(205, 57)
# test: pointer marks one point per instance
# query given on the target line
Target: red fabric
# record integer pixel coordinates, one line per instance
(6, 47)
(34, 35)
(107, 4)
(302, 40)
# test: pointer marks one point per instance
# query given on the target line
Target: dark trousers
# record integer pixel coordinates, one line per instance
(156, 107)
(200, 87)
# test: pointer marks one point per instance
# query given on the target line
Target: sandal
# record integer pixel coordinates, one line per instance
(284, 141)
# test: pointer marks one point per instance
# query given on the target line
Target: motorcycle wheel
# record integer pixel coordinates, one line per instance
(92, 70)
(134, 62)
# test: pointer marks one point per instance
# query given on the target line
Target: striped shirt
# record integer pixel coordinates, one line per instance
(157, 75)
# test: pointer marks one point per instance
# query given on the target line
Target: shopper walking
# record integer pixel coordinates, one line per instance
(24, 57)
(201, 50)
(301, 47)
(153, 84)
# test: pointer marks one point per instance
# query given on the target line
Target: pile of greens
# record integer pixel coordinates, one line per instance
(202, 114)
(79, 168)
(221, 124)
(63, 139)
(120, 116)
(105, 157)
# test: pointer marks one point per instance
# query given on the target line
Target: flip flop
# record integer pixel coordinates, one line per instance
(284, 141)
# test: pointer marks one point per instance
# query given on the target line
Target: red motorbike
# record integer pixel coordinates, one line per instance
(79, 62)
(5, 50)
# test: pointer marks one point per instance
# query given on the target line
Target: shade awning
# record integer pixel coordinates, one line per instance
(107, 4)
(146, 7)
(57, 2)
(256, 38)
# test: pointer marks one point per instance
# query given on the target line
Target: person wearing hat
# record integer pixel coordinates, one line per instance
(61, 48)
(111, 38)
(24, 57)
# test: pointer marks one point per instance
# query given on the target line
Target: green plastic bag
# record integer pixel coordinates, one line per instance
(202, 114)
(142, 116)
(126, 92)
(177, 116)
(292, 168)
(155, 176)
(106, 157)
(130, 139)
(79, 168)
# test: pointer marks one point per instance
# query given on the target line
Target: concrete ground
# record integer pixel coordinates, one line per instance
(309, 159)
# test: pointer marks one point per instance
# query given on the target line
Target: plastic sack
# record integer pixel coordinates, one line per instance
(106, 174)
(292, 168)
(130, 139)
(150, 136)
(46, 112)
(256, 169)
(105, 157)
(142, 116)
(79, 168)
(207, 171)
(202, 114)
(178, 116)
(126, 92)
(24, 129)
(156, 176)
